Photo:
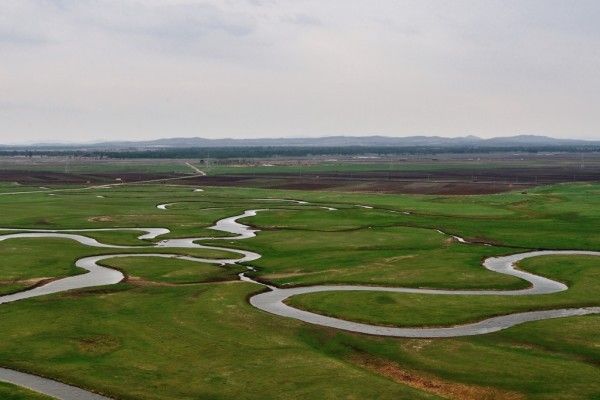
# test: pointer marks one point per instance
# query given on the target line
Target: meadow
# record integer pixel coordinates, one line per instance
(180, 330)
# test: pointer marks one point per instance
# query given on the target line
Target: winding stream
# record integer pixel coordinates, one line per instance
(272, 300)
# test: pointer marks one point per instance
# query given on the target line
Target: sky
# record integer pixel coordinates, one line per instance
(91, 70)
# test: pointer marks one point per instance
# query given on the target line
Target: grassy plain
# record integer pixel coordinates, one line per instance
(173, 271)
(58, 164)
(10, 392)
(179, 330)
(581, 274)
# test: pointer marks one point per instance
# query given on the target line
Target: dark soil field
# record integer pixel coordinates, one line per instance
(443, 174)
(357, 183)
(25, 177)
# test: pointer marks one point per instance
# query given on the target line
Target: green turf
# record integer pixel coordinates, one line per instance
(553, 359)
(173, 270)
(349, 167)
(580, 273)
(26, 261)
(11, 392)
(187, 342)
(384, 256)
(182, 330)
(96, 166)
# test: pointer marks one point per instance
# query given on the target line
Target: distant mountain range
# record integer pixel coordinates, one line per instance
(328, 141)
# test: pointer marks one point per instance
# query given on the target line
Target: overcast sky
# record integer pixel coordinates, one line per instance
(80, 70)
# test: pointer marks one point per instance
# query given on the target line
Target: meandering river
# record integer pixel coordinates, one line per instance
(273, 300)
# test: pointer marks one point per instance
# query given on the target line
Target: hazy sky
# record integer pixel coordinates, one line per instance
(90, 69)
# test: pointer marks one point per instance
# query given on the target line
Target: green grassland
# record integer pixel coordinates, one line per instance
(25, 262)
(424, 164)
(182, 330)
(342, 167)
(10, 392)
(95, 166)
(74, 165)
(387, 256)
(173, 271)
(580, 273)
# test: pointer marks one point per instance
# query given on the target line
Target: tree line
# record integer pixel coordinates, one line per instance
(286, 151)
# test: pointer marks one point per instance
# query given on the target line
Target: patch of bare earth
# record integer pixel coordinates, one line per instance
(135, 280)
(98, 345)
(138, 281)
(101, 218)
(432, 384)
(35, 281)
(296, 273)
(27, 282)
